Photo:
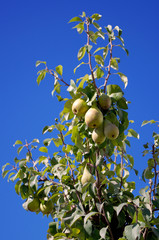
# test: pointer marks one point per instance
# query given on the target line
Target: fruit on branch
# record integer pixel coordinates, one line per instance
(98, 134)
(93, 117)
(111, 131)
(87, 177)
(79, 107)
(47, 207)
(104, 101)
(34, 206)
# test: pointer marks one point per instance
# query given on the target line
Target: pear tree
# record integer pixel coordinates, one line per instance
(84, 185)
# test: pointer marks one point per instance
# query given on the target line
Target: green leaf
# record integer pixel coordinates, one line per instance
(75, 19)
(78, 66)
(133, 133)
(43, 149)
(4, 173)
(98, 49)
(89, 215)
(123, 78)
(41, 76)
(57, 141)
(119, 30)
(81, 53)
(4, 166)
(99, 60)
(39, 62)
(35, 140)
(96, 25)
(88, 227)
(88, 48)
(112, 88)
(59, 69)
(114, 64)
(100, 73)
(80, 27)
(19, 149)
(105, 52)
(47, 142)
(121, 103)
(17, 142)
(17, 186)
(96, 16)
(84, 79)
(121, 39)
(148, 174)
(146, 122)
(103, 232)
(119, 208)
(132, 232)
(92, 36)
(109, 29)
(116, 96)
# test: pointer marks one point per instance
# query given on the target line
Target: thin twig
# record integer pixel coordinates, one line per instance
(74, 182)
(60, 79)
(89, 58)
(156, 173)
(109, 66)
(115, 159)
(30, 155)
(122, 170)
(100, 200)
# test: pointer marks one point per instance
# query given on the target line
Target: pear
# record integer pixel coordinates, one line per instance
(34, 206)
(47, 207)
(93, 117)
(111, 131)
(79, 107)
(104, 101)
(98, 134)
(87, 177)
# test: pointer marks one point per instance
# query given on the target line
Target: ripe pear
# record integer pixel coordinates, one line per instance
(93, 117)
(87, 177)
(105, 101)
(47, 207)
(34, 206)
(111, 131)
(98, 134)
(79, 107)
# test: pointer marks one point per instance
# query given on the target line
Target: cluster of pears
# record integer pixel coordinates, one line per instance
(103, 128)
(36, 206)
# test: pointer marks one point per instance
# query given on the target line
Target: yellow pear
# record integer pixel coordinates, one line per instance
(93, 117)
(34, 206)
(104, 101)
(79, 107)
(87, 177)
(111, 131)
(98, 134)
(47, 207)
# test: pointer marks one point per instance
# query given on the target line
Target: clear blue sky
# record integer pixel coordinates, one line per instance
(39, 30)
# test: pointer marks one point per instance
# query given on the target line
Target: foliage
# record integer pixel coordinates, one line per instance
(104, 207)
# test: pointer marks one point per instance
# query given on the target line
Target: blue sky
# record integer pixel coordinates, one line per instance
(38, 30)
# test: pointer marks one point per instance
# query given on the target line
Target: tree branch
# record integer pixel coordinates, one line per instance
(100, 200)
(89, 58)
(60, 79)
(109, 66)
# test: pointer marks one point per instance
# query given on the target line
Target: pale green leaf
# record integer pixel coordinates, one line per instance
(59, 69)
(43, 149)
